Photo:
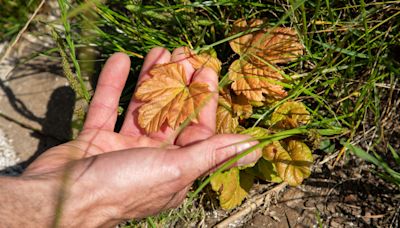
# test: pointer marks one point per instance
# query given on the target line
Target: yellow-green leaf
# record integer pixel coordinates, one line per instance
(289, 115)
(294, 163)
(256, 132)
(268, 171)
(232, 187)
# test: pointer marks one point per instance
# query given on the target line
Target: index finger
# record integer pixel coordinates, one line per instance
(103, 108)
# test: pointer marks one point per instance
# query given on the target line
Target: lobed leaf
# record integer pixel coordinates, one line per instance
(256, 132)
(267, 171)
(226, 122)
(277, 45)
(255, 80)
(232, 187)
(293, 164)
(241, 106)
(243, 43)
(269, 152)
(168, 98)
(203, 60)
(289, 115)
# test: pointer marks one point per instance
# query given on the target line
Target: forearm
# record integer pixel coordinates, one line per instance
(25, 202)
(47, 201)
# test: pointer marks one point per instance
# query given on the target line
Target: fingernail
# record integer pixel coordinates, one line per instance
(251, 157)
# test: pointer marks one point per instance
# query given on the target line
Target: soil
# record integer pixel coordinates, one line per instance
(347, 196)
(36, 113)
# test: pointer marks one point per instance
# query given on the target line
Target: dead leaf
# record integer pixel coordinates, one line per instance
(168, 98)
(232, 187)
(203, 60)
(253, 81)
(290, 115)
(226, 121)
(293, 164)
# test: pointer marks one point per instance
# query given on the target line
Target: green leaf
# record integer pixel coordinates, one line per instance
(232, 187)
(265, 170)
(327, 146)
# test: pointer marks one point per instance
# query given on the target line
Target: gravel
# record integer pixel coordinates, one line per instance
(8, 157)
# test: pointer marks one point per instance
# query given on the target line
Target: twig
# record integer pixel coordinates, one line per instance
(251, 207)
(8, 50)
(328, 158)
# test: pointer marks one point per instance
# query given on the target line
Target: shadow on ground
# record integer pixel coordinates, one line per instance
(32, 126)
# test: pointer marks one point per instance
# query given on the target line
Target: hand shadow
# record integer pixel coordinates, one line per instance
(56, 126)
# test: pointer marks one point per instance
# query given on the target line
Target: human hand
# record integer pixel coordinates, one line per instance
(103, 177)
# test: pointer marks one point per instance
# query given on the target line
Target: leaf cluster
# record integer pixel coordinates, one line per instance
(255, 84)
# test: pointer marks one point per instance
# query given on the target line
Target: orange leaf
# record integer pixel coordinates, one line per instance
(226, 122)
(168, 98)
(253, 81)
(241, 45)
(241, 106)
(278, 45)
(203, 60)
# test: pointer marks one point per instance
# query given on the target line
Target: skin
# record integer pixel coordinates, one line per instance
(104, 177)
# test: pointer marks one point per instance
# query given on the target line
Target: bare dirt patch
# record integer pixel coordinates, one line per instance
(36, 102)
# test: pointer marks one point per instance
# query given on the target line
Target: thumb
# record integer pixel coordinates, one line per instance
(204, 156)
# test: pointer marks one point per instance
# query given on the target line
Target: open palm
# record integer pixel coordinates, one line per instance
(98, 136)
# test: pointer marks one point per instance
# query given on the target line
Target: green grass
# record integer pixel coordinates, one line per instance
(387, 173)
(14, 15)
(348, 76)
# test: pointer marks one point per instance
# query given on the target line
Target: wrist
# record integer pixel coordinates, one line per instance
(79, 200)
